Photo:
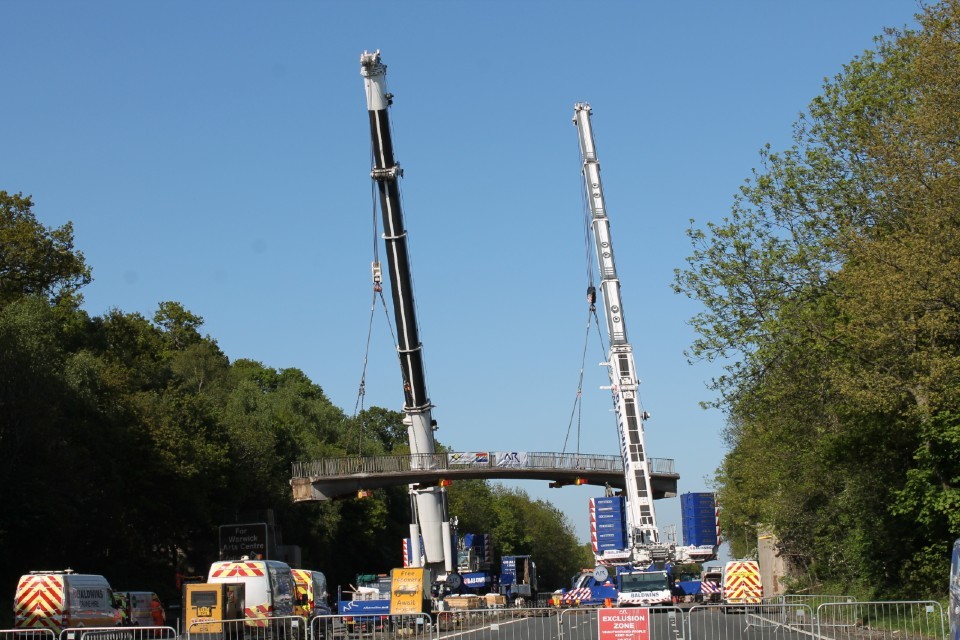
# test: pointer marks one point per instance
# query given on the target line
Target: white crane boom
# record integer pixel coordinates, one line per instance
(643, 535)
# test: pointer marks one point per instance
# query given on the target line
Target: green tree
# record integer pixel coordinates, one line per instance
(832, 289)
(36, 260)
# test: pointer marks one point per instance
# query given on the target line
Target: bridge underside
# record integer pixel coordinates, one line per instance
(312, 483)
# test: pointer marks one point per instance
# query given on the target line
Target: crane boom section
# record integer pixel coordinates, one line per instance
(386, 173)
(641, 517)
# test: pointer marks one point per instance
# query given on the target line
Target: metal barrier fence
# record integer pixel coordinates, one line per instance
(662, 623)
(779, 619)
(414, 626)
(278, 628)
(27, 634)
(811, 600)
(119, 633)
(731, 622)
(907, 620)
(528, 623)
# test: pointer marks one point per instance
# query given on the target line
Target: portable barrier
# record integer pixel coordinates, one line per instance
(907, 620)
(652, 623)
(273, 628)
(508, 623)
(412, 626)
(27, 634)
(119, 633)
(810, 600)
(754, 621)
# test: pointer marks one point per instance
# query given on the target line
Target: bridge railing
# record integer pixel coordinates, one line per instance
(354, 465)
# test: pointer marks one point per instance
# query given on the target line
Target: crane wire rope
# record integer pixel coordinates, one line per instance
(588, 250)
(358, 407)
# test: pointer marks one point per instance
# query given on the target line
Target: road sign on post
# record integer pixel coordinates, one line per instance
(623, 624)
(238, 540)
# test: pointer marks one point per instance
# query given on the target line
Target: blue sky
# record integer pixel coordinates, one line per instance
(217, 153)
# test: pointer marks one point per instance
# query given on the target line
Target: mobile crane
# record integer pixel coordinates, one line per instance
(428, 504)
(643, 536)
(642, 565)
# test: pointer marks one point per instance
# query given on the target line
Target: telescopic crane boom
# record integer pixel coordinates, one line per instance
(428, 504)
(644, 536)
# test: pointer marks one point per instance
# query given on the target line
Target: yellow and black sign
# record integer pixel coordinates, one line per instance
(406, 592)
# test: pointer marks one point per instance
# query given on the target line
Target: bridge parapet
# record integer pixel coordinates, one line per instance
(350, 465)
(330, 478)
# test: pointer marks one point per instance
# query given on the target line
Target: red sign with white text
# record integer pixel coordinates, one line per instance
(623, 624)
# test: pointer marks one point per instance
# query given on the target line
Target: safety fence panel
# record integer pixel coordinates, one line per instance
(27, 634)
(907, 620)
(413, 626)
(527, 623)
(750, 622)
(119, 633)
(810, 600)
(582, 623)
(278, 628)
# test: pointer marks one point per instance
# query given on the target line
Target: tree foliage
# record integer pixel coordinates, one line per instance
(36, 260)
(832, 289)
(125, 442)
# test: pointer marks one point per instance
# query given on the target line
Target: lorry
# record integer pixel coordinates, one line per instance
(518, 579)
(620, 585)
(591, 587)
(366, 606)
(687, 582)
(710, 580)
(649, 587)
(58, 600)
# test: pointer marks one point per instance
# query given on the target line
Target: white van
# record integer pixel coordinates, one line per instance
(268, 585)
(58, 600)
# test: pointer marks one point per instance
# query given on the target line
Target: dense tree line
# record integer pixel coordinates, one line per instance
(126, 441)
(833, 288)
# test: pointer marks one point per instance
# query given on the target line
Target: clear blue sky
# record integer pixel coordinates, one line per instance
(217, 154)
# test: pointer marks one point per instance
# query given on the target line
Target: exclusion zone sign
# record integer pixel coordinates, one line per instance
(624, 624)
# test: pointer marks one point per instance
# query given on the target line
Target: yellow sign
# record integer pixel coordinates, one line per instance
(406, 592)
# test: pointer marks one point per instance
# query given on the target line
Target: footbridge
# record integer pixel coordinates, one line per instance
(335, 478)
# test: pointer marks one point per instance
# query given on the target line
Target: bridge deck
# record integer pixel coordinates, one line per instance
(332, 478)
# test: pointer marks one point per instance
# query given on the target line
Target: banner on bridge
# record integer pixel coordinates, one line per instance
(510, 458)
(469, 458)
